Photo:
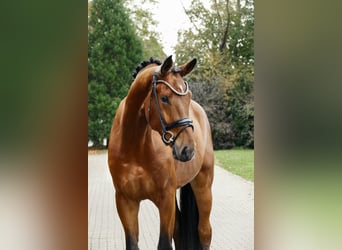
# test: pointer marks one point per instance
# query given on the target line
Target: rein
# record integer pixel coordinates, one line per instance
(167, 136)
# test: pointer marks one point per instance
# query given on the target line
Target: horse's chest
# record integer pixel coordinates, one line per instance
(134, 181)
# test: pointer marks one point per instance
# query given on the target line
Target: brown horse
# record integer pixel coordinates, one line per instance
(161, 141)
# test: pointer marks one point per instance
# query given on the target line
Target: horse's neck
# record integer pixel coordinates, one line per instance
(137, 94)
(134, 125)
(133, 121)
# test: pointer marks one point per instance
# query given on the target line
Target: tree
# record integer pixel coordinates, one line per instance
(241, 108)
(100, 107)
(113, 52)
(222, 39)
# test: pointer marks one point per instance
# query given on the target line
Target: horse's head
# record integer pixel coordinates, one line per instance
(167, 108)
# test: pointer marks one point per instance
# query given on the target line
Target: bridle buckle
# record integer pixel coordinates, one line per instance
(168, 137)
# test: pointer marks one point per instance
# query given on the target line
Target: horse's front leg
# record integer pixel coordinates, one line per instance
(128, 213)
(167, 211)
(201, 186)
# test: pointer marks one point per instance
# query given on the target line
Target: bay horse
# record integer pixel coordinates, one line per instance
(161, 141)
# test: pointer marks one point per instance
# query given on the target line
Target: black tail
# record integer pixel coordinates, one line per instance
(188, 221)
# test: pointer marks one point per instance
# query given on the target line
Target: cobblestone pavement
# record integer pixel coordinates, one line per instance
(232, 216)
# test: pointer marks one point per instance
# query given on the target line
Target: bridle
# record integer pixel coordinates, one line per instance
(167, 136)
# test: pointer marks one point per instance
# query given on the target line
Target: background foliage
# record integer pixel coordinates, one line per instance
(114, 50)
(222, 39)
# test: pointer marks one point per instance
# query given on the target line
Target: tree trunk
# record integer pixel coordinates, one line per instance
(225, 34)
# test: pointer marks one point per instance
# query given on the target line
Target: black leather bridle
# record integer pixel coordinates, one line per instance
(167, 136)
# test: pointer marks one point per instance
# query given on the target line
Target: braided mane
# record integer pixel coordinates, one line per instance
(143, 64)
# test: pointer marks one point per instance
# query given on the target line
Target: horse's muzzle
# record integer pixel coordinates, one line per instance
(183, 154)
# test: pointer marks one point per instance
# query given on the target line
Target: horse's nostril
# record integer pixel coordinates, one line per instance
(185, 153)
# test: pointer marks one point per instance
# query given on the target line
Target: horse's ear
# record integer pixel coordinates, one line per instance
(188, 67)
(167, 64)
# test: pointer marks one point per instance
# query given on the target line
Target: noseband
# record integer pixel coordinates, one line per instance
(167, 136)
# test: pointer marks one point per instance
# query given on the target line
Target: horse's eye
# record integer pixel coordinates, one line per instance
(164, 99)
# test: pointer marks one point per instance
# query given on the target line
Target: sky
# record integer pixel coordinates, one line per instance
(171, 17)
